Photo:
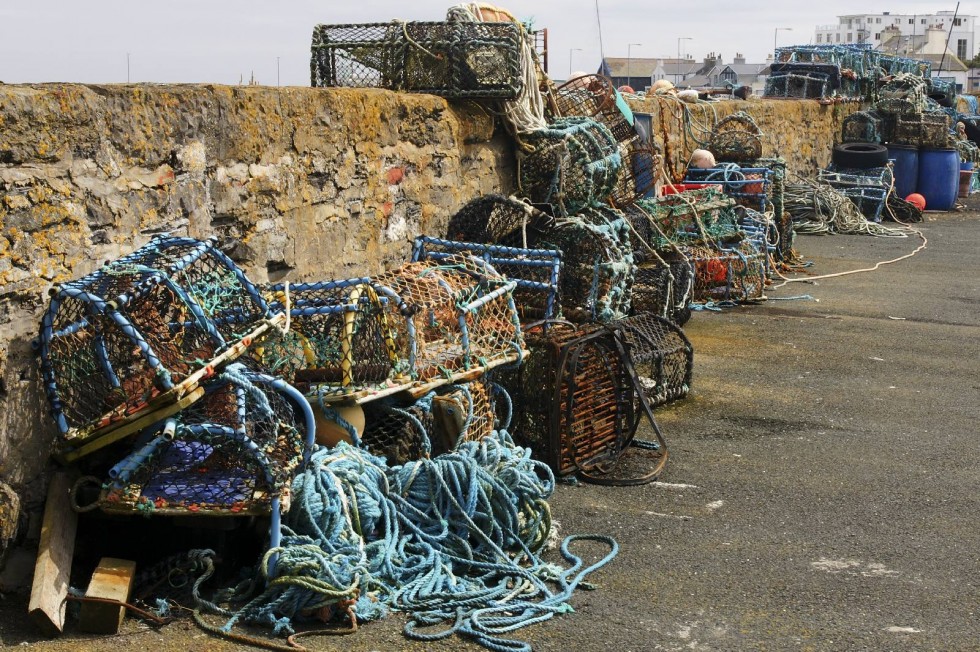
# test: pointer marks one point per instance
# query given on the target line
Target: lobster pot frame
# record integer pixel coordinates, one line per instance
(595, 96)
(571, 164)
(734, 273)
(398, 431)
(676, 217)
(662, 355)
(736, 138)
(142, 331)
(464, 413)
(852, 177)
(664, 287)
(234, 452)
(929, 130)
(458, 315)
(870, 201)
(903, 94)
(535, 271)
(452, 59)
(498, 220)
(893, 65)
(862, 127)
(798, 85)
(340, 342)
(638, 175)
(597, 264)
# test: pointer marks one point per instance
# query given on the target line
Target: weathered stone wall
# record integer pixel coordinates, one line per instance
(296, 183)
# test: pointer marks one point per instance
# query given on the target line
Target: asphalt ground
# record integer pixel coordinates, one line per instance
(822, 489)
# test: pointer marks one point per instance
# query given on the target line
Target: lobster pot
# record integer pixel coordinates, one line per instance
(638, 176)
(398, 431)
(691, 216)
(535, 271)
(736, 138)
(340, 342)
(130, 336)
(662, 356)
(893, 65)
(870, 201)
(233, 452)
(597, 264)
(861, 127)
(928, 130)
(735, 273)
(798, 85)
(851, 177)
(904, 94)
(471, 60)
(664, 287)
(571, 164)
(595, 96)
(464, 413)
(457, 315)
(498, 220)
(573, 399)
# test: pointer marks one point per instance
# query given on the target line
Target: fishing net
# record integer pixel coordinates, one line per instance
(862, 127)
(340, 340)
(904, 94)
(450, 59)
(638, 176)
(662, 356)
(233, 452)
(749, 186)
(664, 287)
(730, 273)
(570, 164)
(798, 85)
(736, 138)
(498, 220)
(398, 431)
(458, 314)
(929, 130)
(595, 96)
(464, 413)
(535, 271)
(869, 201)
(691, 217)
(893, 65)
(114, 342)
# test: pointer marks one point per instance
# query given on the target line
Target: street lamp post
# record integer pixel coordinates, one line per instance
(570, 50)
(677, 69)
(629, 60)
(775, 35)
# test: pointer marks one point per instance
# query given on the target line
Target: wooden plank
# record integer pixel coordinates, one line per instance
(112, 580)
(54, 555)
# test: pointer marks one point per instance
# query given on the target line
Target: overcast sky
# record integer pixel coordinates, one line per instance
(226, 41)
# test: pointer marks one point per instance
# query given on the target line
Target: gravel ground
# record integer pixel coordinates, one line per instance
(822, 487)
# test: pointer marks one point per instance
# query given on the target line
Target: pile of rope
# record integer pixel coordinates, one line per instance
(819, 209)
(454, 539)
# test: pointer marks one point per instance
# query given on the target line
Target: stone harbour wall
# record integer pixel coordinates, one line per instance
(296, 183)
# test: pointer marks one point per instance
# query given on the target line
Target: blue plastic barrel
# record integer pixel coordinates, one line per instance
(939, 178)
(906, 159)
(966, 165)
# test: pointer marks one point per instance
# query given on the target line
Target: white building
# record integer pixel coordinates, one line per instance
(868, 28)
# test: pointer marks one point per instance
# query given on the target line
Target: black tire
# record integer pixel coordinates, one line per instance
(860, 155)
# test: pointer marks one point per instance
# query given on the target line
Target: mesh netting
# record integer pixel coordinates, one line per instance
(664, 287)
(115, 340)
(463, 413)
(662, 356)
(461, 315)
(340, 340)
(638, 175)
(451, 59)
(861, 127)
(798, 85)
(870, 201)
(594, 96)
(851, 177)
(730, 273)
(736, 138)
(571, 164)
(534, 270)
(893, 65)
(232, 452)
(930, 130)
(692, 216)
(397, 431)
(906, 93)
(498, 220)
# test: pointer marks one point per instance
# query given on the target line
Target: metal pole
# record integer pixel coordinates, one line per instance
(775, 35)
(677, 67)
(570, 50)
(277, 72)
(127, 67)
(629, 60)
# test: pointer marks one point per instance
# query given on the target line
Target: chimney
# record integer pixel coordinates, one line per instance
(739, 58)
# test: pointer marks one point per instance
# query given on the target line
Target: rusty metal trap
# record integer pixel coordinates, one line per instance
(662, 356)
(498, 220)
(341, 339)
(534, 270)
(571, 164)
(452, 59)
(664, 287)
(133, 340)
(234, 452)
(577, 403)
(458, 318)
(595, 96)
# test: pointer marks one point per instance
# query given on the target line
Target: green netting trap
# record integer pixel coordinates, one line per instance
(451, 59)
(140, 333)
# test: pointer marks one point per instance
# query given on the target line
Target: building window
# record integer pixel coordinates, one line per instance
(911, 21)
(922, 21)
(878, 21)
(850, 37)
(878, 36)
(819, 38)
(961, 48)
(958, 22)
(837, 35)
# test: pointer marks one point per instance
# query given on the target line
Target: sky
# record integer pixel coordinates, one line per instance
(230, 41)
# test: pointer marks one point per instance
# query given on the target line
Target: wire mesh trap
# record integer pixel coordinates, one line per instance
(341, 339)
(862, 127)
(731, 273)
(535, 271)
(870, 201)
(930, 130)
(234, 452)
(458, 315)
(571, 164)
(736, 138)
(638, 175)
(576, 403)
(799, 84)
(464, 413)
(452, 59)
(142, 331)
(664, 287)
(498, 220)
(662, 356)
(595, 96)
